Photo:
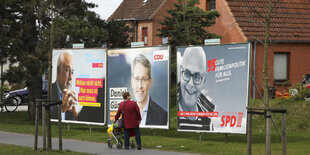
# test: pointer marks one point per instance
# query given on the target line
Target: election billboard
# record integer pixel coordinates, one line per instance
(213, 85)
(78, 80)
(144, 73)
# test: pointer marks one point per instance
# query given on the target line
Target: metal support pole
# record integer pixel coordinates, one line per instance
(48, 123)
(284, 133)
(254, 68)
(1, 97)
(226, 138)
(35, 147)
(268, 132)
(59, 128)
(200, 137)
(44, 125)
(89, 128)
(249, 136)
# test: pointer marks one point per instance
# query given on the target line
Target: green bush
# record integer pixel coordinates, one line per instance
(302, 91)
(5, 88)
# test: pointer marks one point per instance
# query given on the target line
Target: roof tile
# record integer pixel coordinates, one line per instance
(290, 19)
(136, 9)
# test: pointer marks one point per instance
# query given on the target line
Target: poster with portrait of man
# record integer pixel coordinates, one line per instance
(78, 81)
(144, 73)
(213, 85)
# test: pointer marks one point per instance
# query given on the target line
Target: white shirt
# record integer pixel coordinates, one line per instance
(144, 112)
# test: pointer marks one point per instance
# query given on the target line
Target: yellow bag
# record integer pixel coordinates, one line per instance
(110, 130)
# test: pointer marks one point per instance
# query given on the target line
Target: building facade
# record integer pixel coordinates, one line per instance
(240, 21)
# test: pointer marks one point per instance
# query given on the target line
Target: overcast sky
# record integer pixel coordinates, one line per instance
(105, 7)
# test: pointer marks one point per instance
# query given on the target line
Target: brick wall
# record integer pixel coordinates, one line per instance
(160, 16)
(299, 64)
(149, 26)
(299, 58)
(225, 25)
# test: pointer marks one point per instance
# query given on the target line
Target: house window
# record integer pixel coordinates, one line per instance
(144, 1)
(210, 4)
(164, 40)
(144, 35)
(280, 67)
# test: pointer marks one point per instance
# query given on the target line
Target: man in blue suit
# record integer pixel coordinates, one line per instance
(141, 80)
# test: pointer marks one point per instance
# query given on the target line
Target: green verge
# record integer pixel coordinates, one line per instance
(20, 150)
(298, 132)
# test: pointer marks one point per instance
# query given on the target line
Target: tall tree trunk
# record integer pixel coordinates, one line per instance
(34, 92)
(29, 60)
(266, 44)
(265, 81)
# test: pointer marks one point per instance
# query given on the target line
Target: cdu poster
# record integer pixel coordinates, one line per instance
(144, 73)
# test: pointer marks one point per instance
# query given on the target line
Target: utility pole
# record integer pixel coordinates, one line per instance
(49, 136)
(1, 93)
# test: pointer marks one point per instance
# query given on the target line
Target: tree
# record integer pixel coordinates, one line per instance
(118, 34)
(186, 25)
(263, 15)
(28, 26)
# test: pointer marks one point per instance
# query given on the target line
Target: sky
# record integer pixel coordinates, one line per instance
(105, 7)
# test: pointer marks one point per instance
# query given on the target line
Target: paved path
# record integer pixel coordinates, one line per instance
(77, 146)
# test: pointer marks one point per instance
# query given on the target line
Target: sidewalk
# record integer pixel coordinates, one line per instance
(77, 146)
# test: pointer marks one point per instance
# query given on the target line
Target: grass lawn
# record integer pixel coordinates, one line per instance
(12, 149)
(298, 133)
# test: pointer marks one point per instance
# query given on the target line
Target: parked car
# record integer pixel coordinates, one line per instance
(22, 94)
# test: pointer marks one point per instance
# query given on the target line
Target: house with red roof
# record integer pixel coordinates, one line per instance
(241, 21)
(144, 17)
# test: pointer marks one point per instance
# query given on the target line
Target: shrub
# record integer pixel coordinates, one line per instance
(302, 91)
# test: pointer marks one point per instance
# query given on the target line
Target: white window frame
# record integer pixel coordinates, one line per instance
(280, 66)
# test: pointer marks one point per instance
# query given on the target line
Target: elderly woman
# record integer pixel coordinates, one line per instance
(132, 119)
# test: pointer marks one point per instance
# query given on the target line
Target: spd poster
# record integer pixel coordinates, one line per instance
(213, 85)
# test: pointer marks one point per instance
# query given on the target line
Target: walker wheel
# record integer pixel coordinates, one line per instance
(110, 144)
(119, 145)
(132, 144)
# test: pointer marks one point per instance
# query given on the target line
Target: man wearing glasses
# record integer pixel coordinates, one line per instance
(192, 82)
(141, 81)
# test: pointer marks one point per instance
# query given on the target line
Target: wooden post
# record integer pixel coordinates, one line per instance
(268, 132)
(284, 133)
(44, 125)
(200, 137)
(35, 147)
(48, 122)
(226, 138)
(249, 136)
(59, 128)
(89, 128)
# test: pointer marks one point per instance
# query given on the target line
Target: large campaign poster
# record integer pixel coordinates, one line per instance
(78, 80)
(213, 85)
(144, 73)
